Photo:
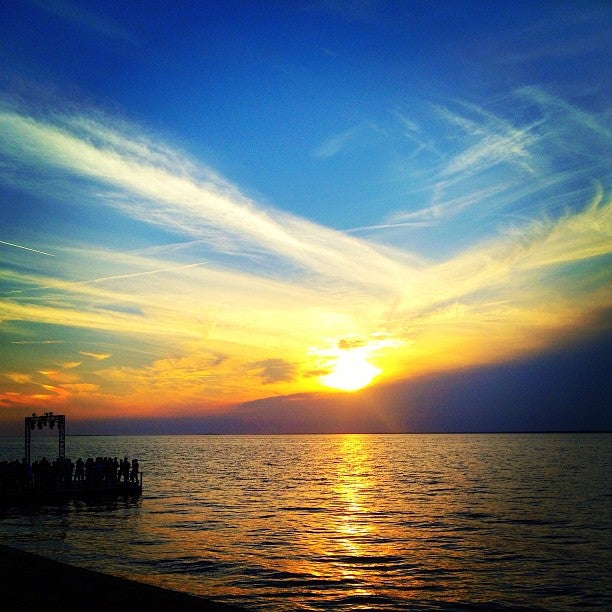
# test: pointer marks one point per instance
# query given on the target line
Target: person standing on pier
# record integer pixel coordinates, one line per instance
(79, 472)
(124, 468)
(134, 472)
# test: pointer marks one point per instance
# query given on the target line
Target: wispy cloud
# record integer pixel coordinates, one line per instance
(414, 133)
(443, 211)
(69, 365)
(336, 143)
(495, 141)
(560, 36)
(526, 156)
(167, 195)
(19, 377)
(96, 356)
(80, 15)
(277, 289)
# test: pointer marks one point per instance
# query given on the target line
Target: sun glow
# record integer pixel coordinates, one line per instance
(351, 371)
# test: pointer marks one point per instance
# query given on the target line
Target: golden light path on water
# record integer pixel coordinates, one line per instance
(354, 489)
(348, 522)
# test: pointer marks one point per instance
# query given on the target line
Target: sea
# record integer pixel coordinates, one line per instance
(344, 522)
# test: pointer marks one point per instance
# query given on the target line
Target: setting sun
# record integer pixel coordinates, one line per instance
(314, 279)
(351, 371)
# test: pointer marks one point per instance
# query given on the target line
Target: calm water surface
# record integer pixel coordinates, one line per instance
(345, 522)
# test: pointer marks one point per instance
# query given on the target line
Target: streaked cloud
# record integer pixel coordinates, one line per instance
(528, 157)
(582, 36)
(87, 18)
(165, 194)
(59, 377)
(18, 377)
(96, 356)
(69, 365)
(440, 212)
(336, 143)
(238, 294)
(496, 142)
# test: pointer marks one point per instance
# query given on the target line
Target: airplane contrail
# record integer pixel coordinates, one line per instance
(19, 246)
(132, 274)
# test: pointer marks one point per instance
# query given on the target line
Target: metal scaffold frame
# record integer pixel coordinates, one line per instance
(48, 419)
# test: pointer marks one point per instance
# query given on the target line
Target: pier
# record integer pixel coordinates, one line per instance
(61, 478)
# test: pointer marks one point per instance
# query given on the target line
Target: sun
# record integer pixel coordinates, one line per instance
(351, 371)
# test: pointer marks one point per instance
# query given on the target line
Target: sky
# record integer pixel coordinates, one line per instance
(306, 216)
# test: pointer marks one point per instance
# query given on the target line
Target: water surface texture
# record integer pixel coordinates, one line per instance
(345, 522)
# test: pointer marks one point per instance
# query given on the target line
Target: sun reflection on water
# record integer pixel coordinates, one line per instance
(343, 522)
(350, 523)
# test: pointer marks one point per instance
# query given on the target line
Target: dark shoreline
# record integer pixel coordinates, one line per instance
(32, 582)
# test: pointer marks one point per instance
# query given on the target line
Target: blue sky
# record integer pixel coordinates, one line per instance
(218, 203)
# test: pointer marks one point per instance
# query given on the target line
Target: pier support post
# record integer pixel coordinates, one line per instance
(61, 430)
(28, 434)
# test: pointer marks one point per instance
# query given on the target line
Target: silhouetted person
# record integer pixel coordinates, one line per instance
(124, 467)
(79, 470)
(134, 472)
(89, 470)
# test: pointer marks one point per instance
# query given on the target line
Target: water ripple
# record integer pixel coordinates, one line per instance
(280, 523)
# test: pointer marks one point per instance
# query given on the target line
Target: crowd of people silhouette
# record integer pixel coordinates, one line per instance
(64, 473)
